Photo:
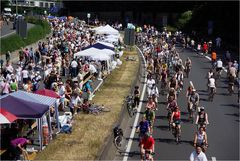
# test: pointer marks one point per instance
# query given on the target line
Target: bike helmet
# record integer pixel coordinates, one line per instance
(201, 108)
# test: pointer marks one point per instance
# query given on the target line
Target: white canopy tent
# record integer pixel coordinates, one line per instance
(95, 54)
(97, 28)
(111, 40)
(108, 52)
(107, 30)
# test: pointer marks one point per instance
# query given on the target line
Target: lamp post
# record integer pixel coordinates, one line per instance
(88, 16)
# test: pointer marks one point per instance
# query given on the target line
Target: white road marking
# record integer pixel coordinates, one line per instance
(225, 70)
(125, 158)
(214, 159)
(8, 34)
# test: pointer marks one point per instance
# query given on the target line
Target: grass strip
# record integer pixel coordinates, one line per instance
(89, 131)
(15, 42)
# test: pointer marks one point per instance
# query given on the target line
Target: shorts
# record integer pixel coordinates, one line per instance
(219, 69)
(177, 122)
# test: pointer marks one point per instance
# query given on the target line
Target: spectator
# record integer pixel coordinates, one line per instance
(18, 146)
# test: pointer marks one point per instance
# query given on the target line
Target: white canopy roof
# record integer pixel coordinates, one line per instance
(95, 54)
(107, 30)
(108, 51)
(97, 28)
(111, 40)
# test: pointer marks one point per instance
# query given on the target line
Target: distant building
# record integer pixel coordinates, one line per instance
(35, 3)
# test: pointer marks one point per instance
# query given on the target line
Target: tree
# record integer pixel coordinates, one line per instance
(4, 4)
(184, 19)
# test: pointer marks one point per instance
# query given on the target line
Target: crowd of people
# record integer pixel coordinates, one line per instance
(51, 65)
(165, 67)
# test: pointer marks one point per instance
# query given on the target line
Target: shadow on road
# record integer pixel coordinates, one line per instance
(163, 127)
(173, 141)
(161, 117)
(230, 105)
(232, 114)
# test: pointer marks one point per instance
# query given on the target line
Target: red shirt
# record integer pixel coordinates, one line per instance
(147, 142)
(176, 115)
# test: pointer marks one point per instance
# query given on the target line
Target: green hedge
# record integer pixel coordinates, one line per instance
(15, 42)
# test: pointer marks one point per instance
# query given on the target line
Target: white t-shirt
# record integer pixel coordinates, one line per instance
(74, 64)
(75, 101)
(150, 83)
(92, 68)
(212, 83)
(219, 64)
(61, 91)
(25, 73)
(198, 157)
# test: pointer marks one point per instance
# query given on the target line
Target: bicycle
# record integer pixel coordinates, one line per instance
(148, 155)
(187, 71)
(96, 109)
(130, 106)
(118, 139)
(211, 94)
(176, 132)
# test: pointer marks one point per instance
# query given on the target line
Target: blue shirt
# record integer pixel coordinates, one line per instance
(143, 125)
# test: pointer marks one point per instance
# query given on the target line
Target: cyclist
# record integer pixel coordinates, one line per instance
(150, 117)
(175, 121)
(198, 155)
(214, 57)
(179, 77)
(202, 118)
(143, 127)
(189, 89)
(212, 84)
(173, 83)
(219, 67)
(200, 139)
(231, 81)
(136, 96)
(193, 101)
(188, 65)
(155, 95)
(163, 78)
(147, 146)
(150, 83)
(151, 104)
(172, 93)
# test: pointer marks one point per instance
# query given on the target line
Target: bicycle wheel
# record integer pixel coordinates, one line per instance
(130, 110)
(105, 109)
(119, 143)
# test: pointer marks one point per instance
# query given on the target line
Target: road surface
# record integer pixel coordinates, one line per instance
(223, 112)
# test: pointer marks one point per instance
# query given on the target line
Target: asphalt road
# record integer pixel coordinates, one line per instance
(223, 112)
(7, 30)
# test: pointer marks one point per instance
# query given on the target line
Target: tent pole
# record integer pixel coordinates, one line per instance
(50, 125)
(57, 115)
(40, 134)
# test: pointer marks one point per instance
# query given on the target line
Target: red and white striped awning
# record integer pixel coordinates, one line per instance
(6, 117)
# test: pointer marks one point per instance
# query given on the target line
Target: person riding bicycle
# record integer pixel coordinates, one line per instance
(147, 145)
(150, 83)
(212, 84)
(189, 89)
(172, 92)
(231, 82)
(155, 95)
(188, 65)
(173, 83)
(179, 77)
(200, 139)
(198, 155)
(176, 120)
(219, 66)
(150, 117)
(143, 127)
(202, 118)
(193, 99)
(163, 78)
(136, 96)
(214, 57)
(151, 103)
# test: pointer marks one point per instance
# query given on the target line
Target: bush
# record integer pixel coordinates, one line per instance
(15, 42)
